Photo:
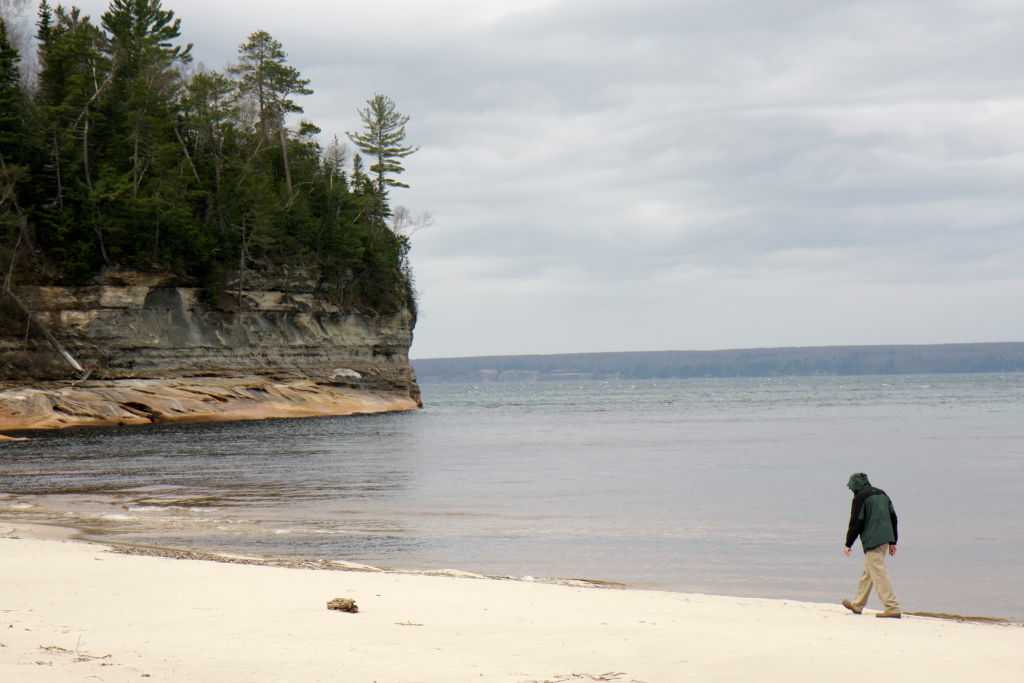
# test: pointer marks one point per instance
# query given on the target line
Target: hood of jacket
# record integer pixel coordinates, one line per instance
(858, 482)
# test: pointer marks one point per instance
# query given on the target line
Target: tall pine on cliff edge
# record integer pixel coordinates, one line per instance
(382, 138)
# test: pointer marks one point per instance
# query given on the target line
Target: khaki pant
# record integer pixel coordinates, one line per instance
(875, 574)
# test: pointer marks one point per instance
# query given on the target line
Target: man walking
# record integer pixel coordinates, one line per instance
(873, 518)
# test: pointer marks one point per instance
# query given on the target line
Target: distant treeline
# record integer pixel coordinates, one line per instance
(824, 360)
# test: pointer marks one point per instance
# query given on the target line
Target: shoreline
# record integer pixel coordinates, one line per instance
(77, 609)
(343, 566)
(54, 528)
(65, 532)
(80, 535)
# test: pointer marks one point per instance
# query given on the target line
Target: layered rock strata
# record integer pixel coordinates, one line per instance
(150, 351)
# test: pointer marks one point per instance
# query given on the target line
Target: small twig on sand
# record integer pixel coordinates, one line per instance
(609, 676)
(79, 656)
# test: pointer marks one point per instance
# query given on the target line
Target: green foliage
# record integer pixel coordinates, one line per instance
(140, 33)
(12, 110)
(10, 92)
(129, 161)
(264, 75)
(382, 139)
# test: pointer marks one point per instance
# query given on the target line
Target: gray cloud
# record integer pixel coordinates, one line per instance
(611, 175)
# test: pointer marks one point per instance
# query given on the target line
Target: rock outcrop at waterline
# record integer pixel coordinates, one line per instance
(150, 351)
(208, 399)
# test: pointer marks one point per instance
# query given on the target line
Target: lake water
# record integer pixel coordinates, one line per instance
(727, 486)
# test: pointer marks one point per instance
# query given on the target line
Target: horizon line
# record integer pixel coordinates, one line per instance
(724, 350)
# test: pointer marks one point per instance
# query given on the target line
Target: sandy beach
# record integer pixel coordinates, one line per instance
(74, 611)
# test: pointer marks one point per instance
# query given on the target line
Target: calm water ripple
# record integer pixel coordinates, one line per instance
(732, 486)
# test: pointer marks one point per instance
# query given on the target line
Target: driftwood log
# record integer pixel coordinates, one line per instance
(343, 605)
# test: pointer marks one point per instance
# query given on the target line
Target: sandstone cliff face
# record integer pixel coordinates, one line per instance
(135, 327)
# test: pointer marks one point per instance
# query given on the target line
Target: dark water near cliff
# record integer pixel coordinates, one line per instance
(718, 485)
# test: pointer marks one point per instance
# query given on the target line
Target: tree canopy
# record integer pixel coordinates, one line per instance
(126, 156)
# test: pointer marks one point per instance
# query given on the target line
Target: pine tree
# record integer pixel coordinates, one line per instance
(264, 75)
(210, 140)
(382, 138)
(142, 34)
(144, 83)
(72, 71)
(11, 100)
(138, 104)
(11, 111)
(13, 225)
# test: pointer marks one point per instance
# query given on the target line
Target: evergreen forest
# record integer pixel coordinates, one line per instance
(123, 155)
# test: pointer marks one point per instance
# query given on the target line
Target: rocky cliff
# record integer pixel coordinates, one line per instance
(137, 348)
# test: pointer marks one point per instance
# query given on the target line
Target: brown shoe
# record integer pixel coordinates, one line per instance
(849, 605)
(889, 614)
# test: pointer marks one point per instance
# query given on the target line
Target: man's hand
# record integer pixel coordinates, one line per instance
(892, 549)
(846, 551)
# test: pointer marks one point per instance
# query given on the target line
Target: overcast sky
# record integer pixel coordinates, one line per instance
(613, 175)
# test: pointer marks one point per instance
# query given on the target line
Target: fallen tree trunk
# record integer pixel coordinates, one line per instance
(57, 346)
(33, 320)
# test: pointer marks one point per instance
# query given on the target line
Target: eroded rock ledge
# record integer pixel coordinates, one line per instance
(152, 351)
(130, 402)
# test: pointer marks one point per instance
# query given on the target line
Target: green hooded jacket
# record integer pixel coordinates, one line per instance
(872, 516)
